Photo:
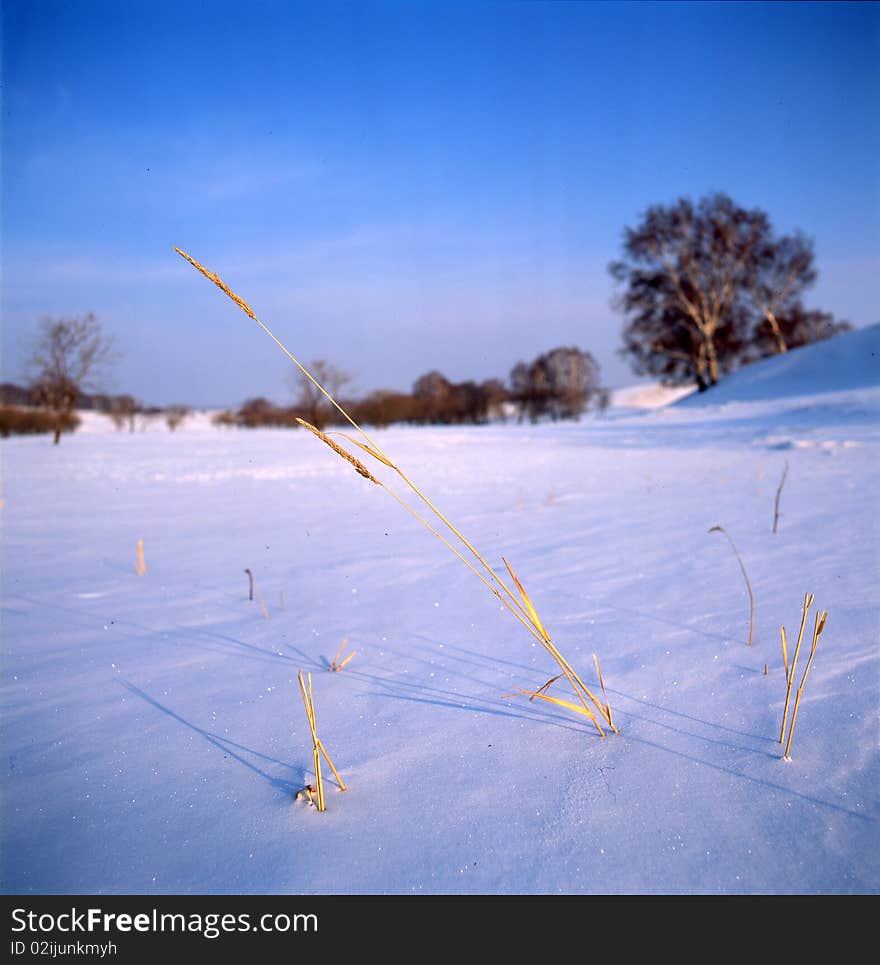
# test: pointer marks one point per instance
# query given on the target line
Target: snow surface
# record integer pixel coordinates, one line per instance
(841, 364)
(153, 734)
(650, 395)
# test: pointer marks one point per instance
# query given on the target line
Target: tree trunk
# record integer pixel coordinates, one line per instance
(700, 365)
(777, 334)
(713, 361)
(57, 438)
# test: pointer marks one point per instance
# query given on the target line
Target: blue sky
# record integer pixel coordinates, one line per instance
(404, 186)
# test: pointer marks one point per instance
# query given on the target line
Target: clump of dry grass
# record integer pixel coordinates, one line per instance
(818, 627)
(317, 745)
(335, 666)
(721, 529)
(140, 566)
(518, 603)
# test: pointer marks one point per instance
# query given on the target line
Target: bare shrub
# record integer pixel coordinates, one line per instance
(18, 420)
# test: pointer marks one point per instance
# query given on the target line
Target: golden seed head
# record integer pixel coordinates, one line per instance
(347, 456)
(218, 281)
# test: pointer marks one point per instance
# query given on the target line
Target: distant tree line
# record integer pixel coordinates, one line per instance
(704, 289)
(559, 384)
(70, 357)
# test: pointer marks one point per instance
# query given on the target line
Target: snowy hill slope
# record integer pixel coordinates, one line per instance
(153, 735)
(652, 395)
(848, 361)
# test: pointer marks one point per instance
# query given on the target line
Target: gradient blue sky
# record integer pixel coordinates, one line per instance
(404, 186)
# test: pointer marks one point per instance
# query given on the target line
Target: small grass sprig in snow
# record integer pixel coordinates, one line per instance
(818, 627)
(721, 529)
(335, 666)
(817, 632)
(317, 746)
(776, 513)
(140, 566)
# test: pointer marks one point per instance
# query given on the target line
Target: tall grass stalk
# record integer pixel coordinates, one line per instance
(519, 604)
(817, 632)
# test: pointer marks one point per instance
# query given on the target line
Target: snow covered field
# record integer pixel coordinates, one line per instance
(153, 734)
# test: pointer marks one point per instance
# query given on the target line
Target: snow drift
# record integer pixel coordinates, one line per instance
(153, 733)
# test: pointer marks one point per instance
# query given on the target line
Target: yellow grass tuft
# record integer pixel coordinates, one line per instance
(818, 627)
(789, 672)
(335, 667)
(317, 746)
(519, 605)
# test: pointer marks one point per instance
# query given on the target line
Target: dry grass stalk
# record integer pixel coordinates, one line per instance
(255, 588)
(336, 667)
(218, 281)
(347, 456)
(817, 632)
(789, 673)
(784, 650)
(721, 529)
(778, 495)
(317, 746)
(580, 689)
(541, 694)
(141, 564)
(521, 606)
(263, 606)
(250, 584)
(602, 685)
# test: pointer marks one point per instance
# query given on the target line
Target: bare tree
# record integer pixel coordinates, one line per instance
(557, 384)
(69, 356)
(708, 287)
(494, 396)
(685, 270)
(122, 411)
(433, 393)
(310, 402)
(175, 415)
